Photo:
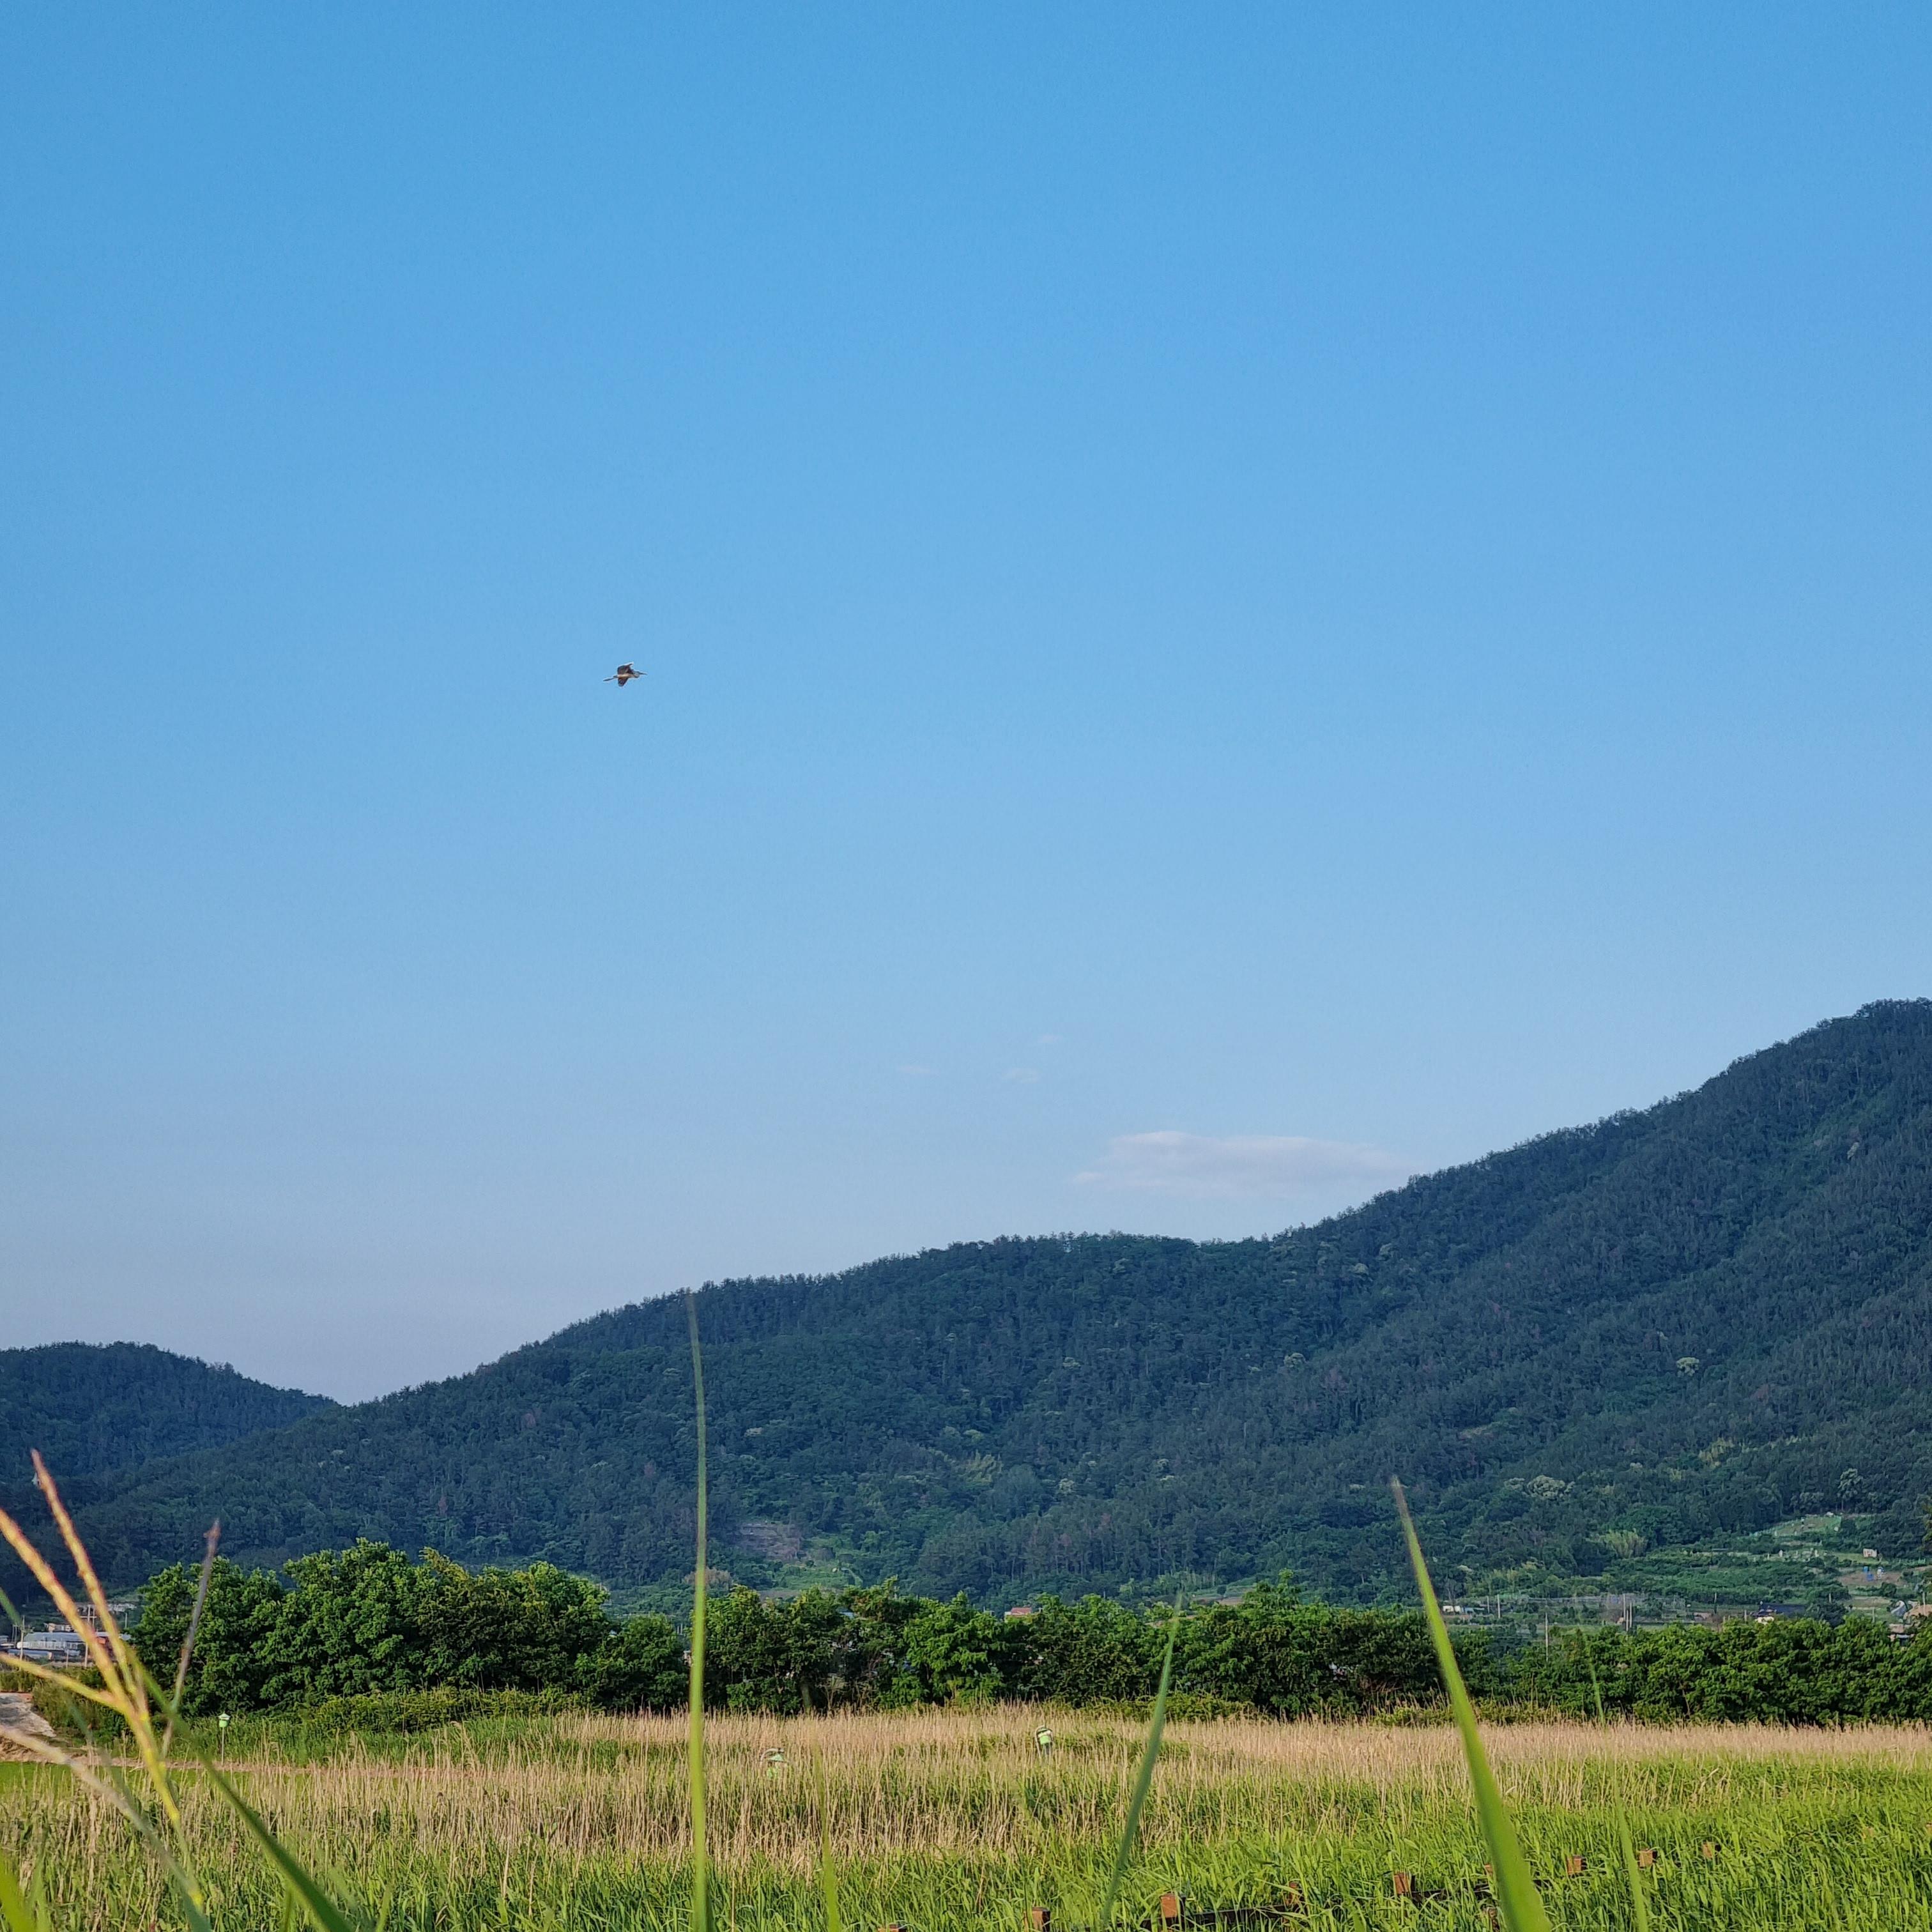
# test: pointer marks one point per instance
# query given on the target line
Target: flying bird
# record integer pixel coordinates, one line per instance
(623, 675)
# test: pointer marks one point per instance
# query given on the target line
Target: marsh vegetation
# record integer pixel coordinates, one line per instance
(954, 1818)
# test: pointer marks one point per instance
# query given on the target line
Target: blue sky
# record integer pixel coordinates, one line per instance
(1237, 602)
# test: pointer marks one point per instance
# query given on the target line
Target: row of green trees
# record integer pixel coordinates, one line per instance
(368, 1620)
(1795, 1671)
(1271, 1652)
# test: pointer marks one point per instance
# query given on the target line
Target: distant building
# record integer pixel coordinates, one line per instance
(56, 1644)
(1020, 1610)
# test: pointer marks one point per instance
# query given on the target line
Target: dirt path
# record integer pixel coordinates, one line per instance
(17, 1715)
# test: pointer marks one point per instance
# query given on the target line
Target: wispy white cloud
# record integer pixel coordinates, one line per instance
(1025, 1075)
(1209, 1167)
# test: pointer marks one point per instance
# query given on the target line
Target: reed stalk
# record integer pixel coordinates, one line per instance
(1516, 1890)
(701, 1863)
(1143, 1775)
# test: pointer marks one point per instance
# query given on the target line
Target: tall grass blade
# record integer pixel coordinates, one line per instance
(118, 1692)
(828, 1871)
(700, 1862)
(83, 1568)
(62, 1597)
(299, 1887)
(48, 1673)
(1633, 1876)
(106, 1783)
(316, 1902)
(1143, 1776)
(213, 1537)
(132, 1694)
(1516, 1890)
(17, 1914)
(120, 1671)
(828, 1886)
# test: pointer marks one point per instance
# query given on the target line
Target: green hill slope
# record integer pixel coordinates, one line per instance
(96, 1409)
(1703, 1317)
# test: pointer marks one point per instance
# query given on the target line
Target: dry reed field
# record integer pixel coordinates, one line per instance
(958, 1818)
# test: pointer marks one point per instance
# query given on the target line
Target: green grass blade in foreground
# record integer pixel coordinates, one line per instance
(1144, 1777)
(828, 1872)
(317, 1902)
(17, 1914)
(1633, 1876)
(1516, 1890)
(828, 1886)
(210, 1540)
(701, 1863)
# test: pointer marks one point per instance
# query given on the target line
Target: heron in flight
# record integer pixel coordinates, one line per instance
(623, 675)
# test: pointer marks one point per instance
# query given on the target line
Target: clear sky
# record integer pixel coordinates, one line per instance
(1236, 601)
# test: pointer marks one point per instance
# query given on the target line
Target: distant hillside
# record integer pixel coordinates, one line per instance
(92, 1410)
(1705, 1316)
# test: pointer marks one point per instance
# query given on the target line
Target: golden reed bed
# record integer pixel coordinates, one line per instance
(952, 1821)
(936, 1783)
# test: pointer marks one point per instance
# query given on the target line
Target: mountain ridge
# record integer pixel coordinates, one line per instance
(1697, 1317)
(95, 1408)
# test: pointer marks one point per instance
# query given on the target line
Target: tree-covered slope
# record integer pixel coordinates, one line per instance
(93, 1409)
(1705, 1315)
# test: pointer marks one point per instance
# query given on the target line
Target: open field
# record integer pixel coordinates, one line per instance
(954, 1818)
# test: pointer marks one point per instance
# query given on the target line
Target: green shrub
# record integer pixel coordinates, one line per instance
(397, 1712)
(639, 1666)
(1194, 1705)
(74, 1719)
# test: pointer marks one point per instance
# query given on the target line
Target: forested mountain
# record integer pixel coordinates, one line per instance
(1709, 1314)
(92, 1409)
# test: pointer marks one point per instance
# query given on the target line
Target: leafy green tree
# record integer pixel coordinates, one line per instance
(1097, 1651)
(820, 1639)
(747, 1659)
(507, 1630)
(1269, 1650)
(874, 1643)
(786, 1657)
(953, 1654)
(640, 1666)
(352, 1623)
(365, 1624)
(367, 1621)
(1795, 1671)
(230, 1669)
(1382, 1658)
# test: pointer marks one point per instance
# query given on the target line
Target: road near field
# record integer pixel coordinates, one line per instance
(18, 1716)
